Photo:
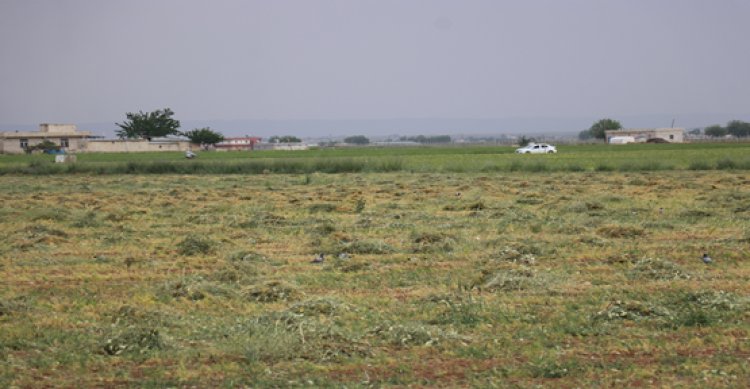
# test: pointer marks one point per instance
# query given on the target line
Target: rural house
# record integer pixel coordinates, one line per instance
(66, 136)
(671, 135)
(245, 143)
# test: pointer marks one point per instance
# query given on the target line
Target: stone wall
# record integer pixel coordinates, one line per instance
(130, 146)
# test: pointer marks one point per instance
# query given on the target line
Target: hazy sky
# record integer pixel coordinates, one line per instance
(90, 61)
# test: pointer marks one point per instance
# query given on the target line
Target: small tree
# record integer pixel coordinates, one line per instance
(284, 139)
(45, 146)
(147, 125)
(598, 129)
(204, 137)
(585, 135)
(524, 141)
(357, 140)
(715, 131)
(738, 128)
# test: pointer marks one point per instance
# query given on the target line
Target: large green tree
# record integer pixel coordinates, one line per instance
(204, 136)
(147, 125)
(738, 128)
(598, 129)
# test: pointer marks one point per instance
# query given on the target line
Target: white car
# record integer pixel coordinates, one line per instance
(536, 148)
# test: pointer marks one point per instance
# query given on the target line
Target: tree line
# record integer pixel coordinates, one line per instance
(736, 128)
(159, 123)
(427, 139)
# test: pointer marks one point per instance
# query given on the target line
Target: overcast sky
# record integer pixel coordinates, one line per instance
(87, 61)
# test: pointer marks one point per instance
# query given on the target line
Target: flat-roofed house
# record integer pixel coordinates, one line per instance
(67, 136)
(244, 143)
(643, 135)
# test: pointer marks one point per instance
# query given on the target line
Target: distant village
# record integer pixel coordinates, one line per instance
(68, 138)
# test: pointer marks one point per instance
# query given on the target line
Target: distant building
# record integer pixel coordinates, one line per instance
(282, 146)
(671, 135)
(245, 143)
(66, 136)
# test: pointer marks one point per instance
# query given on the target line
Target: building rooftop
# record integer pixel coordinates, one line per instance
(47, 130)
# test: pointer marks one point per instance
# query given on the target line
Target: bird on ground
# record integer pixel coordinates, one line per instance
(706, 259)
(318, 259)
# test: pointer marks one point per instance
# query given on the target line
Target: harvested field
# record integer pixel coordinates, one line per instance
(432, 279)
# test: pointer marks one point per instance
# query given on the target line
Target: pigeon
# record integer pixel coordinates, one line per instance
(318, 259)
(706, 258)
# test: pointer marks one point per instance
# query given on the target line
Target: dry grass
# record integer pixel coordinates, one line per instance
(441, 279)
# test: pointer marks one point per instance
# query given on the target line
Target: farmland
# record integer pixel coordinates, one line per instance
(644, 157)
(443, 267)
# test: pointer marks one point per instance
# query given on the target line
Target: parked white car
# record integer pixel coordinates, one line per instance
(537, 148)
